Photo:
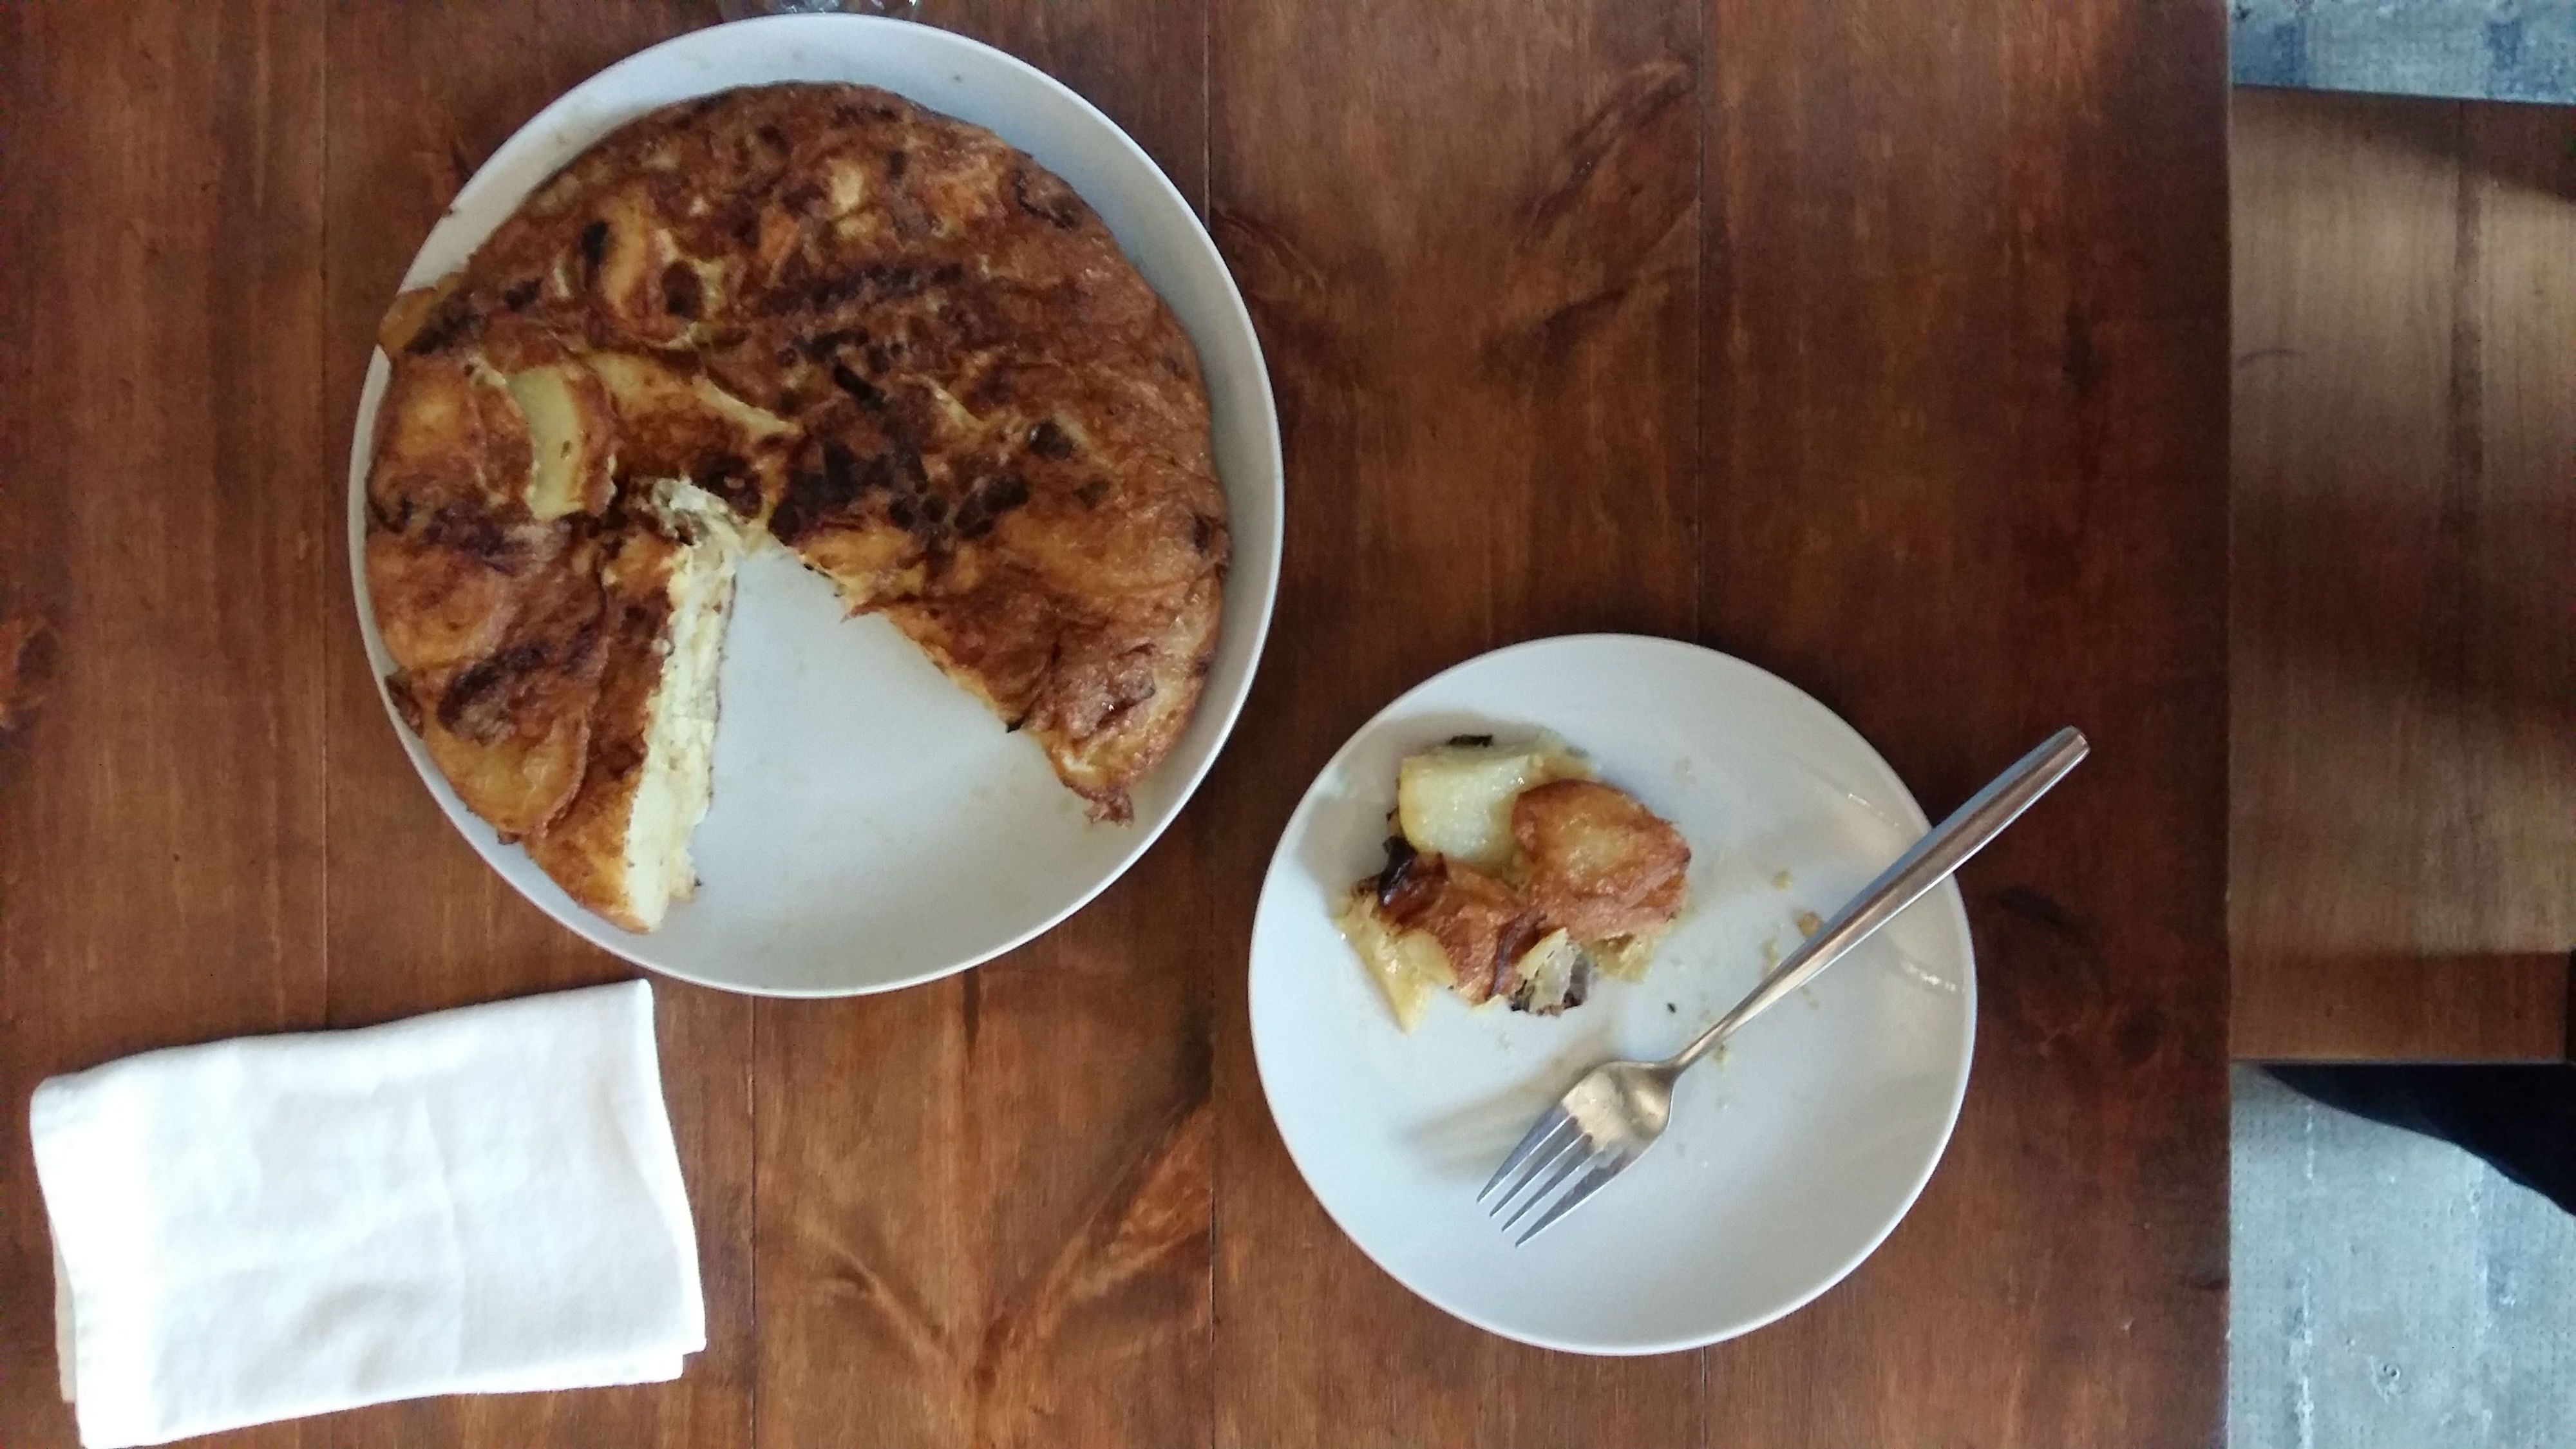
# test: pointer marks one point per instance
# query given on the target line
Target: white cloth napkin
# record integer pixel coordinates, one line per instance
(478, 1201)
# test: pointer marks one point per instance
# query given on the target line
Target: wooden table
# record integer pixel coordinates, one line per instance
(1880, 342)
(2402, 836)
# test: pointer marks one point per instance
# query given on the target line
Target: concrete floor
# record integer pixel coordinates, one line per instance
(2504, 50)
(2389, 1291)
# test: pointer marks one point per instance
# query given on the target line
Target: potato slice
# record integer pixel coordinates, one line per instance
(1476, 919)
(1515, 876)
(1406, 965)
(1552, 976)
(1598, 862)
(572, 439)
(1456, 799)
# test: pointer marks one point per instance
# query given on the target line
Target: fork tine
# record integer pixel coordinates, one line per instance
(1546, 1127)
(1566, 1165)
(1570, 1147)
(1611, 1164)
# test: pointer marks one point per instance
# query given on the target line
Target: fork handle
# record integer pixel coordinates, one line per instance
(1930, 862)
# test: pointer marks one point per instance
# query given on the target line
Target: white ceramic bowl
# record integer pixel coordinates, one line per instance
(873, 826)
(1790, 1156)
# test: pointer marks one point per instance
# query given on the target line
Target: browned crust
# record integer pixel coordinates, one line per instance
(1597, 862)
(897, 344)
(491, 619)
(1593, 861)
(1481, 924)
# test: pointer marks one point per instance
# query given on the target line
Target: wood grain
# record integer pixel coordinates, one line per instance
(1471, 252)
(161, 803)
(1879, 343)
(1964, 472)
(2403, 846)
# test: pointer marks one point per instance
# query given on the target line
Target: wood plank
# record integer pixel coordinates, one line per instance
(419, 95)
(1966, 431)
(2403, 867)
(161, 794)
(985, 1203)
(1471, 251)
(2417, 1006)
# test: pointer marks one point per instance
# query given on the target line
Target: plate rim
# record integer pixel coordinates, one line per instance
(1954, 911)
(842, 32)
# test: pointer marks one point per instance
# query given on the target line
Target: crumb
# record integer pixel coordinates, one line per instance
(1807, 922)
(1770, 950)
(1780, 881)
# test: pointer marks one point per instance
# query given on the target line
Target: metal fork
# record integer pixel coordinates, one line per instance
(1618, 1109)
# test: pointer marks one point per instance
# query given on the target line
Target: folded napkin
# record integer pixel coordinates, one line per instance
(477, 1201)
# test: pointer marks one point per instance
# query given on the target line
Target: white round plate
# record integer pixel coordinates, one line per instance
(873, 826)
(1790, 1156)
